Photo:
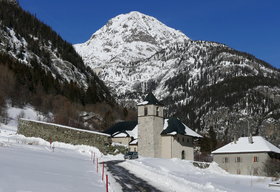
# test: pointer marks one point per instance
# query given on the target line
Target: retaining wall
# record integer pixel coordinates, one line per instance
(60, 133)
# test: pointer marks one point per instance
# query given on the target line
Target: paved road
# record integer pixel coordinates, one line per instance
(128, 181)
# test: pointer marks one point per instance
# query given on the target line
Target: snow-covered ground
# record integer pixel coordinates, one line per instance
(29, 164)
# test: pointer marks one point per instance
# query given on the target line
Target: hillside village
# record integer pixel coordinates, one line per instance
(169, 98)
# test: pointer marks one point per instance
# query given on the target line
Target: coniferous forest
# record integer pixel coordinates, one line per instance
(38, 83)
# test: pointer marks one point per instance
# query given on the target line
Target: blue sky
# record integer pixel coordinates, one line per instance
(251, 26)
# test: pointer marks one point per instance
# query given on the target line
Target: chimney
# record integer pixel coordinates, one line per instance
(234, 138)
(251, 138)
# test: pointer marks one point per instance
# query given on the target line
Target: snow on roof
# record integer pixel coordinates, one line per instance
(134, 132)
(121, 134)
(142, 103)
(131, 133)
(171, 126)
(123, 129)
(243, 145)
(134, 142)
(174, 126)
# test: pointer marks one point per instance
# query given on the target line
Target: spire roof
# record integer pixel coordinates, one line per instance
(151, 99)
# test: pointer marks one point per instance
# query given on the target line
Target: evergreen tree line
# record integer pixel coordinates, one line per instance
(21, 85)
(227, 94)
(186, 84)
(39, 36)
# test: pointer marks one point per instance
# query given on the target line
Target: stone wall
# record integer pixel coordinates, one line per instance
(62, 133)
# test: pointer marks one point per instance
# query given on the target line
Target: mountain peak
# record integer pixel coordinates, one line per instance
(128, 38)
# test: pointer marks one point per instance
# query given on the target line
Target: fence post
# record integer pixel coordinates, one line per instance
(106, 183)
(103, 172)
(97, 164)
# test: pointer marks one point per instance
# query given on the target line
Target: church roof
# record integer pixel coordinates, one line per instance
(171, 126)
(151, 99)
(123, 129)
(174, 126)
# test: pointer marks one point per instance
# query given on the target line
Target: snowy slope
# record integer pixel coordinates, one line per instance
(70, 168)
(37, 168)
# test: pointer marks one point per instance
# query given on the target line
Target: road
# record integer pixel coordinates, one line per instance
(128, 181)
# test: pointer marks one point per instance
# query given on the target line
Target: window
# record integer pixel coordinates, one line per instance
(225, 160)
(183, 139)
(238, 159)
(183, 154)
(256, 159)
(188, 140)
(238, 171)
(178, 139)
(157, 111)
(134, 148)
(145, 111)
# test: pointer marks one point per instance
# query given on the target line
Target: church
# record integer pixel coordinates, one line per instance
(153, 135)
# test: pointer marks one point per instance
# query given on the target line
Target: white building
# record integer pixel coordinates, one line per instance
(246, 155)
(154, 136)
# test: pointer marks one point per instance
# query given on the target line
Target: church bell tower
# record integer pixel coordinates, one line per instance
(150, 126)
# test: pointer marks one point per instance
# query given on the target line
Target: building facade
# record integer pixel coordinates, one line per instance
(246, 156)
(153, 135)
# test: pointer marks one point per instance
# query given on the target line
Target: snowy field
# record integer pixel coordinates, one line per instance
(30, 165)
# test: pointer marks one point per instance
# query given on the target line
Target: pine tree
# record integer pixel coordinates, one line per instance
(205, 145)
(213, 139)
(125, 112)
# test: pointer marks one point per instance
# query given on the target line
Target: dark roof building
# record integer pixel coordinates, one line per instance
(154, 136)
(122, 127)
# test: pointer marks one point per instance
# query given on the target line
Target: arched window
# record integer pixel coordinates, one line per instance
(183, 154)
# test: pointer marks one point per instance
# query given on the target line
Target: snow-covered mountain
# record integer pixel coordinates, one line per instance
(135, 53)
(128, 38)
